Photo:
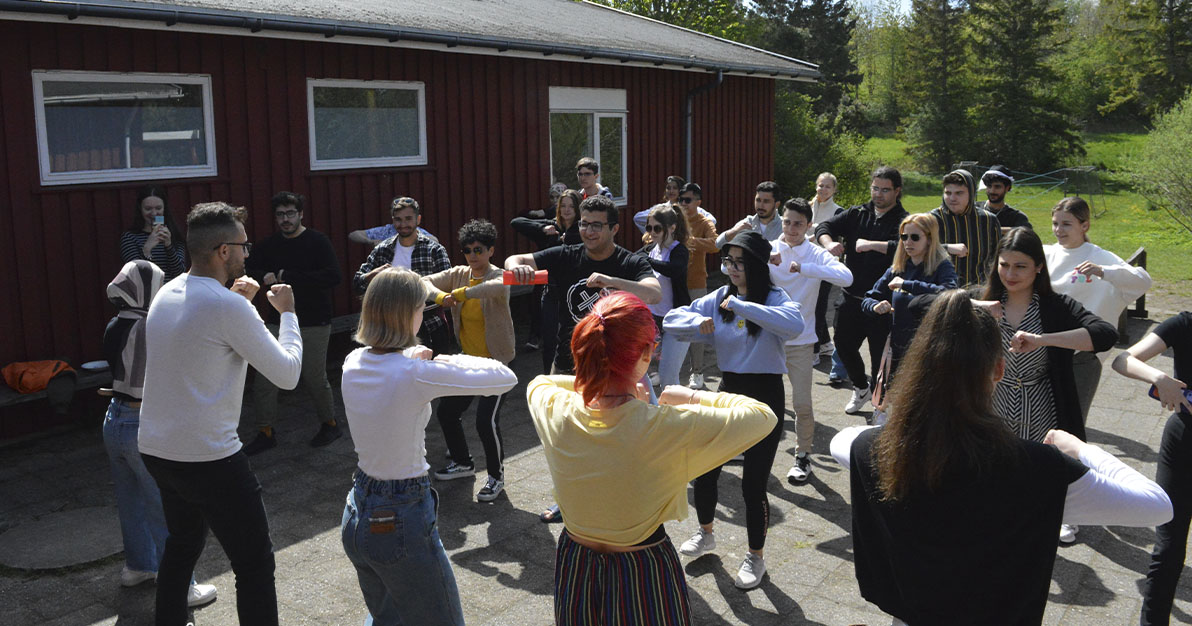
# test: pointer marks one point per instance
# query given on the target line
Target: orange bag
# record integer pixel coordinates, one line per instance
(33, 376)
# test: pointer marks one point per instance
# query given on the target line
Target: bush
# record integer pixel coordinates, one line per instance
(1162, 170)
(806, 145)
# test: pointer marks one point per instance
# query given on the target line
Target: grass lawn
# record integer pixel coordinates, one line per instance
(1121, 222)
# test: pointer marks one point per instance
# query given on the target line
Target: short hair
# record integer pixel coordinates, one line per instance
(210, 224)
(693, 188)
(402, 203)
(387, 313)
(589, 163)
(286, 198)
(770, 187)
(601, 203)
(798, 205)
(827, 176)
(608, 343)
(956, 178)
(889, 173)
(481, 231)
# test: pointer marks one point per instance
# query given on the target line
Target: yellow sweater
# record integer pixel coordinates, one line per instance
(619, 473)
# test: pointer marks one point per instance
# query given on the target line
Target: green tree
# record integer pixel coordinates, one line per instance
(879, 45)
(804, 147)
(1016, 113)
(937, 82)
(1153, 41)
(1081, 62)
(1162, 170)
(722, 18)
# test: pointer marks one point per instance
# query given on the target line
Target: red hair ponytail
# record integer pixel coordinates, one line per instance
(608, 343)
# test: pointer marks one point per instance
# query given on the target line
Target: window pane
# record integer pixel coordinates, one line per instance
(366, 123)
(610, 155)
(120, 126)
(570, 141)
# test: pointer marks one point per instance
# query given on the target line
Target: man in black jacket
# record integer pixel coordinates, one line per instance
(867, 236)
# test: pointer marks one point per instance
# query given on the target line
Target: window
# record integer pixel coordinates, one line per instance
(98, 127)
(588, 122)
(357, 124)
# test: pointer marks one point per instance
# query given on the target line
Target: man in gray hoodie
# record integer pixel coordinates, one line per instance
(970, 234)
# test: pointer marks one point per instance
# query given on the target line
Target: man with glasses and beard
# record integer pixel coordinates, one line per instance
(304, 259)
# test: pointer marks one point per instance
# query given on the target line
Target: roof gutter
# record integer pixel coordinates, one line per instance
(689, 115)
(256, 22)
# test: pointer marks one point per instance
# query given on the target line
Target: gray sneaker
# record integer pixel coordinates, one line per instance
(751, 572)
(700, 543)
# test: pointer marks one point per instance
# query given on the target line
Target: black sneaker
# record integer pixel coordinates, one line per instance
(327, 433)
(455, 470)
(262, 443)
(532, 344)
(492, 488)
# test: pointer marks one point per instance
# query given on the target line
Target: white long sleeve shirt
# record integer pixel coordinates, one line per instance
(1111, 493)
(815, 264)
(1106, 297)
(200, 339)
(387, 401)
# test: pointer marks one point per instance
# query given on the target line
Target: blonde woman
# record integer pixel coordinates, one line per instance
(388, 529)
(920, 266)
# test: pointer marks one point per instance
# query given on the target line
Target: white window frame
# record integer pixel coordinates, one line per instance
(600, 103)
(49, 177)
(361, 163)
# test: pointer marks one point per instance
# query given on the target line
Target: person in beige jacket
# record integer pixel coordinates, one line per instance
(479, 305)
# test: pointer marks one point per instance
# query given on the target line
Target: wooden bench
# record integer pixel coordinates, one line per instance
(1138, 259)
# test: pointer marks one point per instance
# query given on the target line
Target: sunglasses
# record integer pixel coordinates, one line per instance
(911, 236)
(685, 200)
(476, 250)
(657, 229)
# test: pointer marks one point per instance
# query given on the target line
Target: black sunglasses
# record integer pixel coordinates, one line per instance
(479, 249)
(683, 200)
(656, 228)
(911, 236)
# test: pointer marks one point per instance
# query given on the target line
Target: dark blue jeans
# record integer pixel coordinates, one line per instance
(225, 497)
(1174, 475)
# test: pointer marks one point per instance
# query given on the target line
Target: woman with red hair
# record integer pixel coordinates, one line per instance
(615, 563)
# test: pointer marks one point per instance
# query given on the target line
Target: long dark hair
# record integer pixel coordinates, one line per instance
(941, 417)
(575, 198)
(757, 284)
(669, 215)
(1024, 240)
(138, 221)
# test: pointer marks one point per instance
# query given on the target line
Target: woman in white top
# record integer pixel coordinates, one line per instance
(388, 527)
(666, 228)
(1096, 278)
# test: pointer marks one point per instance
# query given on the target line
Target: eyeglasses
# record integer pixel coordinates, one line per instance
(477, 250)
(882, 190)
(247, 246)
(583, 173)
(733, 263)
(596, 226)
(286, 214)
(657, 229)
(686, 200)
(911, 236)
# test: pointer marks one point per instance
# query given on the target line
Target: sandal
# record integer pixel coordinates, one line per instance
(551, 515)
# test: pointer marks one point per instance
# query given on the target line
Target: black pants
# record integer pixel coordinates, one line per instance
(488, 426)
(535, 311)
(225, 497)
(759, 459)
(549, 330)
(853, 326)
(821, 314)
(1174, 475)
(442, 339)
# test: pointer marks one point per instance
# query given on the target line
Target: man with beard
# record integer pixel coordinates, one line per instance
(200, 338)
(410, 248)
(304, 259)
(764, 219)
(969, 233)
(997, 183)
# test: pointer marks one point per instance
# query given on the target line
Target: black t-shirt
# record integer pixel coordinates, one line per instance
(974, 552)
(569, 268)
(1176, 332)
(311, 269)
(1008, 217)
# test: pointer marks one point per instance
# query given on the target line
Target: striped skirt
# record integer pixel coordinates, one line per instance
(622, 588)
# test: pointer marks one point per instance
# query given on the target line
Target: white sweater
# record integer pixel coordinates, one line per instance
(1106, 297)
(200, 339)
(387, 401)
(815, 264)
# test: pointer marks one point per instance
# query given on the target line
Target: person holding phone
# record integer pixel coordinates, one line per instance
(1174, 473)
(152, 234)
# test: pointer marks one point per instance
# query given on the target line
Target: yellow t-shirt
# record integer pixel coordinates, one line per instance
(619, 473)
(471, 321)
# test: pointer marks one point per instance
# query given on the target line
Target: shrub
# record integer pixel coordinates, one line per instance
(1162, 170)
(806, 144)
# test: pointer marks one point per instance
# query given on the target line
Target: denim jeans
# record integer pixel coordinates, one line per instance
(837, 370)
(225, 497)
(142, 523)
(390, 534)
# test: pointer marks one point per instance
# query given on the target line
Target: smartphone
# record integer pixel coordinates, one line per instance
(159, 219)
(1154, 393)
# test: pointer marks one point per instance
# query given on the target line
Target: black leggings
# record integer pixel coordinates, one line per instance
(1174, 475)
(821, 313)
(853, 326)
(759, 459)
(488, 426)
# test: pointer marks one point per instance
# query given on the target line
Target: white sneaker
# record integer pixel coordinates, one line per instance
(132, 577)
(751, 572)
(1068, 533)
(696, 382)
(801, 470)
(200, 595)
(827, 349)
(859, 400)
(814, 360)
(700, 543)
(655, 379)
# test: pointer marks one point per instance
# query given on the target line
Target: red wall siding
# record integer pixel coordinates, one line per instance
(487, 142)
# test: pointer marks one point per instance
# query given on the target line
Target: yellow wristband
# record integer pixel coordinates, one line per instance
(440, 298)
(459, 294)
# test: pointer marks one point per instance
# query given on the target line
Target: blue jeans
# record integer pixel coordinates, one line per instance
(838, 370)
(389, 533)
(142, 524)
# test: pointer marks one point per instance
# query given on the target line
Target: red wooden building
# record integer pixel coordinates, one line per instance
(466, 105)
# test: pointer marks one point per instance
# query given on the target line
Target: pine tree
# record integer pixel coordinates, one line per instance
(1153, 39)
(1016, 111)
(936, 82)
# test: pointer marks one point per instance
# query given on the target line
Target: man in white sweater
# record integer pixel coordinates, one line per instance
(200, 338)
(798, 266)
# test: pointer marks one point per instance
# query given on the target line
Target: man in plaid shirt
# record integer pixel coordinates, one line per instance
(409, 248)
